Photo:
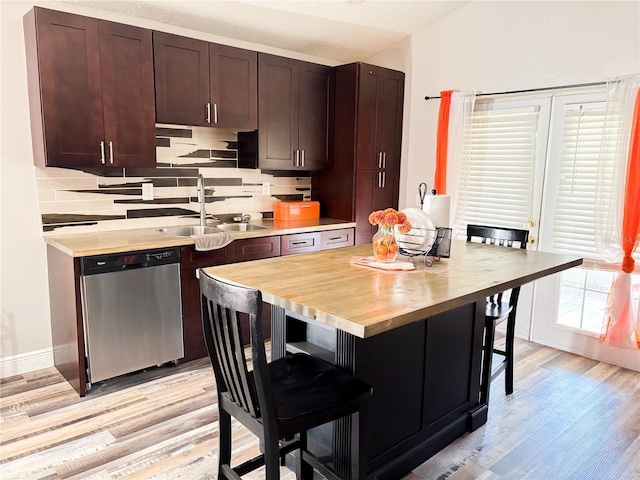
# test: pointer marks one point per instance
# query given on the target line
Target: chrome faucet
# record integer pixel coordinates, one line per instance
(245, 218)
(203, 212)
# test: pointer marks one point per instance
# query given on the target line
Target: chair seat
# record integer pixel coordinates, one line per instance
(308, 391)
(498, 312)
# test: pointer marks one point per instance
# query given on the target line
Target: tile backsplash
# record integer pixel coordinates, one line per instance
(97, 199)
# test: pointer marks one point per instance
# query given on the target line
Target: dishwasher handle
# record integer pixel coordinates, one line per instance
(134, 266)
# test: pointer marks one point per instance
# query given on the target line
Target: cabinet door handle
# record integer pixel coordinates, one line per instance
(102, 157)
(215, 113)
(379, 179)
(111, 153)
(302, 158)
(384, 179)
(384, 159)
(208, 113)
(379, 159)
(296, 157)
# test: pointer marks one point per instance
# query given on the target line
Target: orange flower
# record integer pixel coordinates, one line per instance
(404, 227)
(389, 218)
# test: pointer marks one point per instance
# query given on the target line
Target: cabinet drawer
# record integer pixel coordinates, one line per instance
(299, 243)
(336, 238)
(191, 258)
(256, 248)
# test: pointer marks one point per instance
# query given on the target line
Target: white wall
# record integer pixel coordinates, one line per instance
(491, 46)
(25, 338)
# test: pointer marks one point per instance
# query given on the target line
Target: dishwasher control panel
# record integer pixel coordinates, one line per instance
(115, 262)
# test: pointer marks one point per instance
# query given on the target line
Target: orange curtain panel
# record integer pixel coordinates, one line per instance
(622, 327)
(440, 180)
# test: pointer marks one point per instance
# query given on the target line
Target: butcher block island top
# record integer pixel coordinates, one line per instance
(364, 301)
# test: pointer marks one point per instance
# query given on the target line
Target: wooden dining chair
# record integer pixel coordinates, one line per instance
(277, 401)
(498, 309)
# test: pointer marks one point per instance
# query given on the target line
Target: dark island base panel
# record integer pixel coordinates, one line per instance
(425, 378)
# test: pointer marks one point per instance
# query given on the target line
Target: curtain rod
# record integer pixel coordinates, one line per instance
(542, 89)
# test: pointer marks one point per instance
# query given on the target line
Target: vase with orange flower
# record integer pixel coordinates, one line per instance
(385, 248)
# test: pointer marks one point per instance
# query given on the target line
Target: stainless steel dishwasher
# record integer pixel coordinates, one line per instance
(132, 311)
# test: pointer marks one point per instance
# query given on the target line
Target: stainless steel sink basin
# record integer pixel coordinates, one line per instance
(187, 231)
(240, 227)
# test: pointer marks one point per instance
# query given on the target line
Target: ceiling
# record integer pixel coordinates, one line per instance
(342, 30)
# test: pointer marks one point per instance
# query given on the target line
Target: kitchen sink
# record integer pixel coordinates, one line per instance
(240, 227)
(187, 231)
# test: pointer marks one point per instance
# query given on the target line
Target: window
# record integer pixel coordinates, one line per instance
(577, 153)
(512, 177)
(503, 166)
(583, 298)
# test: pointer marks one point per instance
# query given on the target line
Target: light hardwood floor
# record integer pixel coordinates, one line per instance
(569, 418)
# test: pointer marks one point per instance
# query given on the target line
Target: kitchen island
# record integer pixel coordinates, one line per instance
(415, 336)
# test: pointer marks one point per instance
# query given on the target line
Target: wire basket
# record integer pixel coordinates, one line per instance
(412, 244)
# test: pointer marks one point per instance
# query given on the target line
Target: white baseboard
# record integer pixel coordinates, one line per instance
(26, 362)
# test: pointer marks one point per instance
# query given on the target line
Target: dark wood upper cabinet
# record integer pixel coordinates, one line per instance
(368, 137)
(234, 86)
(90, 91)
(295, 114)
(128, 96)
(381, 93)
(182, 79)
(204, 84)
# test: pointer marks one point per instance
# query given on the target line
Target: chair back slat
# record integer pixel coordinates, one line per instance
(498, 235)
(505, 237)
(221, 308)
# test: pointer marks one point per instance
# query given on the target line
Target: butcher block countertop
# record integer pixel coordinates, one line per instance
(365, 301)
(98, 243)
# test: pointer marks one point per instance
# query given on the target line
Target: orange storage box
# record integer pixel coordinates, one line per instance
(296, 210)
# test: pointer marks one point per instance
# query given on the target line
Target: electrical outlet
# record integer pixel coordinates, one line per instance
(147, 191)
(266, 188)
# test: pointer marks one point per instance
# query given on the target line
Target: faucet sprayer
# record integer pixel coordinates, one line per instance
(201, 200)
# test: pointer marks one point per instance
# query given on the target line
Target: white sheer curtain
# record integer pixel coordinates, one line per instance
(460, 118)
(614, 153)
(621, 324)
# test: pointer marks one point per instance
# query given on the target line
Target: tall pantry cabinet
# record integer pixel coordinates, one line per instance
(368, 137)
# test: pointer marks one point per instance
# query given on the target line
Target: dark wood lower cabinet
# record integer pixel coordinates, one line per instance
(191, 260)
(256, 248)
(300, 243)
(67, 329)
(375, 190)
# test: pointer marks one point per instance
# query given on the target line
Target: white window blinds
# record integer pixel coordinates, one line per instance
(576, 155)
(504, 151)
(573, 222)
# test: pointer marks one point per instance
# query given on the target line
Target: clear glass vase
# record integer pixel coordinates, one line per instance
(385, 248)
